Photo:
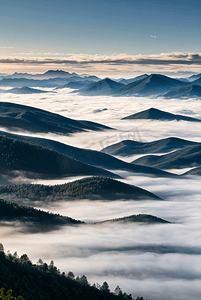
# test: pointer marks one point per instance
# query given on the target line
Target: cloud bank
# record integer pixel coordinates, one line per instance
(116, 61)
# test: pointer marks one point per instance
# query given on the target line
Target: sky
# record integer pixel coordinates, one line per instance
(83, 35)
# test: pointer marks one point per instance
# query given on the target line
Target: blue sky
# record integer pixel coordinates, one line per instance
(91, 27)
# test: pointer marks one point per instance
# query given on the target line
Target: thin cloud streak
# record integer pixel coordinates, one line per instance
(115, 59)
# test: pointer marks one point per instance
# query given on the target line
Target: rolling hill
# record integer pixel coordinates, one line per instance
(130, 147)
(141, 218)
(184, 158)
(156, 114)
(91, 157)
(37, 162)
(191, 91)
(20, 117)
(92, 188)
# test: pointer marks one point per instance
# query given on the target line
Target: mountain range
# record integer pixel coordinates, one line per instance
(157, 114)
(191, 91)
(129, 147)
(90, 157)
(184, 158)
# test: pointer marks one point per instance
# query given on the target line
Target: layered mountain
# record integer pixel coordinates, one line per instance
(20, 117)
(102, 87)
(157, 114)
(153, 84)
(195, 77)
(34, 161)
(197, 81)
(76, 84)
(130, 80)
(130, 147)
(191, 91)
(32, 219)
(91, 157)
(184, 158)
(194, 171)
(23, 90)
(20, 82)
(92, 188)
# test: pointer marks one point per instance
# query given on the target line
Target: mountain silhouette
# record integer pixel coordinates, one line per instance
(184, 158)
(156, 114)
(20, 117)
(35, 161)
(129, 147)
(91, 157)
(153, 84)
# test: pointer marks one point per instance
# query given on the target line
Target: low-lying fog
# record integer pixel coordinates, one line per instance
(155, 261)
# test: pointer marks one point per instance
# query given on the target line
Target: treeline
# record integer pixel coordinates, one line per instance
(34, 219)
(87, 188)
(18, 276)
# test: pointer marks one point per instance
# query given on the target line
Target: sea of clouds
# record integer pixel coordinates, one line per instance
(155, 261)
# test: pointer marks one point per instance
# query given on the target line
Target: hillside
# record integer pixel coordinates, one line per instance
(102, 87)
(92, 188)
(33, 220)
(157, 114)
(37, 162)
(91, 157)
(45, 282)
(184, 158)
(20, 117)
(191, 91)
(129, 147)
(142, 218)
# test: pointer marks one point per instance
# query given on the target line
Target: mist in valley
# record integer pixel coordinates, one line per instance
(160, 261)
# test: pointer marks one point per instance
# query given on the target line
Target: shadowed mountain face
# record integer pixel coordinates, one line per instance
(194, 171)
(102, 87)
(184, 158)
(149, 85)
(154, 84)
(91, 157)
(23, 90)
(192, 91)
(93, 188)
(21, 117)
(128, 147)
(156, 114)
(37, 162)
